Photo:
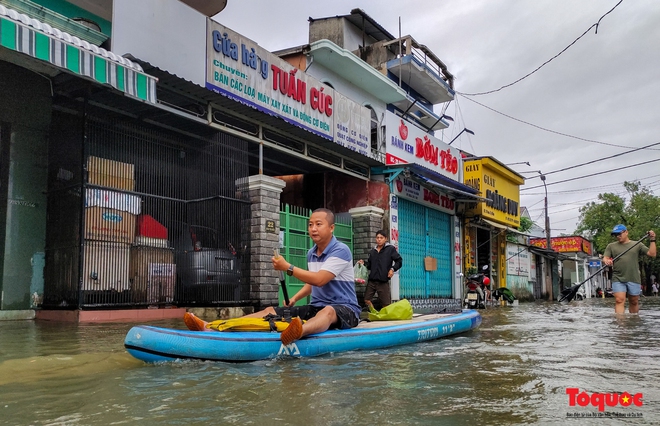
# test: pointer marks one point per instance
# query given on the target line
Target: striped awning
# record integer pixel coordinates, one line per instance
(20, 33)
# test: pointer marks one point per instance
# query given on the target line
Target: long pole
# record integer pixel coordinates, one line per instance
(548, 242)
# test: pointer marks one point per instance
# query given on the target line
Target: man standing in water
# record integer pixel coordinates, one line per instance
(625, 271)
(383, 262)
(330, 280)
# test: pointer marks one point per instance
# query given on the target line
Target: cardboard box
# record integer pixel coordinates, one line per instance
(430, 263)
(153, 273)
(160, 284)
(105, 266)
(141, 257)
(104, 224)
(110, 173)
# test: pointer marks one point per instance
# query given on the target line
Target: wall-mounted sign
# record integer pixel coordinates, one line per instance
(572, 244)
(499, 185)
(270, 227)
(407, 144)
(240, 69)
(409, 189)
(517, 260)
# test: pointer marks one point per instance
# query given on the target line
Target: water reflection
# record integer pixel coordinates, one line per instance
(514, 369)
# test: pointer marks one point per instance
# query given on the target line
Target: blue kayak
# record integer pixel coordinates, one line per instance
(156, 344)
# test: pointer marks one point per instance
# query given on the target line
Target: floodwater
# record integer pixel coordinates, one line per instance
(514, 369)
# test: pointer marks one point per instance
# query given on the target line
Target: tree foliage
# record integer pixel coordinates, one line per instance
(640, 212)
(525, 224)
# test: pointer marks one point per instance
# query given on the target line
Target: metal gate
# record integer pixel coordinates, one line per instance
(424, 232)
(296, 241)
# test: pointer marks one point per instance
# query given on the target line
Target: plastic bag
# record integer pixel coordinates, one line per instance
(400, 310)
(361, 273)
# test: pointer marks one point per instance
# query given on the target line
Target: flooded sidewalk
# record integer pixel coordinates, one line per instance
(520, 367)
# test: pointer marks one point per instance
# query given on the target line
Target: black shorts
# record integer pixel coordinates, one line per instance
(345, 316)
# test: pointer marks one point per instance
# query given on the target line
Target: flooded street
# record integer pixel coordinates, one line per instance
(514, 369)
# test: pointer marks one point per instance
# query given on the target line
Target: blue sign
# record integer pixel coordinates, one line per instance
(594, 264)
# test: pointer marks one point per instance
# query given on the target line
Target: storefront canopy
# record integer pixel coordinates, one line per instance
(22, 34)
(550, 254)
(432, 179)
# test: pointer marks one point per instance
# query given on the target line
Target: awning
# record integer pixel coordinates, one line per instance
(430, 178)
(504, 227)
(22, 34)
(551, 254)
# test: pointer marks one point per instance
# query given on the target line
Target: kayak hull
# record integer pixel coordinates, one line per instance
(156, 344)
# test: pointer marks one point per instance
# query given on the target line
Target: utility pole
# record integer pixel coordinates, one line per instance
(548, 242)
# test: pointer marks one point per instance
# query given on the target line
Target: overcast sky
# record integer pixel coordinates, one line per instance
(605, 88)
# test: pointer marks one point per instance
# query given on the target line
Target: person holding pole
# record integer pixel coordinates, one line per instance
(626, 278)
(330, 280)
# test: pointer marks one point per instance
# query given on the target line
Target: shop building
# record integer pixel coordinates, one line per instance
(575, 260)
(487, 222)
(164, 157)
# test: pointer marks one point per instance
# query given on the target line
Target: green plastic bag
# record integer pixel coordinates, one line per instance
(361, 273)
(400, 310)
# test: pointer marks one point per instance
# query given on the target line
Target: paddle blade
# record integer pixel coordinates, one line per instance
(568, 294)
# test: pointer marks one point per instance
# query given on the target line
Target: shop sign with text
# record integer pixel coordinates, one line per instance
(499, 185)
(240, 69)
(572, 244)
(411, 190)
(407, 144)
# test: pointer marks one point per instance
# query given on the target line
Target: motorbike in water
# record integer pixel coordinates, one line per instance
(476, 287)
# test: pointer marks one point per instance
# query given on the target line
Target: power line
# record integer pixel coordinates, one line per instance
(546, 129)
(595, 161)
(592, 174)
(592, 188)
(546, 62)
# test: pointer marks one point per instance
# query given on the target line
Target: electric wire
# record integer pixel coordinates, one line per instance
(549, 60)
(592, 174)
(549, 130)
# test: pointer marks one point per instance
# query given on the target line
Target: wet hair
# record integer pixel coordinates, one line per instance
(381, 232)
(329, 215)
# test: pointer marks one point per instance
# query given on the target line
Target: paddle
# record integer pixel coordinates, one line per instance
(285, 292)
(568, 294)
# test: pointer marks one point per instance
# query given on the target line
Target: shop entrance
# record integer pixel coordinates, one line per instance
(424, 232)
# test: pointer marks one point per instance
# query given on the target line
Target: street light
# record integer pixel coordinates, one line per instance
(465, 129)
(520, 162)
(548, 243)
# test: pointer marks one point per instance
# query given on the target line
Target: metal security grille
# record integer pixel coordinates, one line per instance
(293, 225)
(140, 216)
(424, 232)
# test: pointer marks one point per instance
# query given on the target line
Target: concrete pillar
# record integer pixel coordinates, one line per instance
(263, 192)
(366, 221)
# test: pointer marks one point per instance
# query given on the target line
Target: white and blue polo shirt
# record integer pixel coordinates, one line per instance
(337, 259)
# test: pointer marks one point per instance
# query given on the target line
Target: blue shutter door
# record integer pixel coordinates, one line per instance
(424, 232)
(440, 247)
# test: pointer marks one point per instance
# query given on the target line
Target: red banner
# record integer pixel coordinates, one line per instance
(564, 244)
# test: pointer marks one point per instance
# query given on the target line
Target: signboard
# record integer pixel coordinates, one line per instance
(407, 144)
(409, 189)
(517, 260)
(240, 69)
(594, 264)
(499, 185)
(572, 244)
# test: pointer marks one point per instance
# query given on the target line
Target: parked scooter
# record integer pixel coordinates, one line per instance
(608, 292)
(476, 286)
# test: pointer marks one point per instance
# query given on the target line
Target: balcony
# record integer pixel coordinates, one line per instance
(420, 114)
(421, 70)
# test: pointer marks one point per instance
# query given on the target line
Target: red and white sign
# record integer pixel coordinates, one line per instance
(409, 189)
(408, 144)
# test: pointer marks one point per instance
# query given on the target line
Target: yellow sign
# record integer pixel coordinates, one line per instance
(497, 183)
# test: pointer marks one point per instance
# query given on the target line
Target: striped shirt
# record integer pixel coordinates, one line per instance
(337, 259)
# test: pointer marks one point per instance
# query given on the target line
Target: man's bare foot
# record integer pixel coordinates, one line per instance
(293, 332)
(193, 323)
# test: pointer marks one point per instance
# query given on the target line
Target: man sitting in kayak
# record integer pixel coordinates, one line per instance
(330, 280)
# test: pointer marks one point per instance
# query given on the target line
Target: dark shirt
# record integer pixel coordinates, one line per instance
(380, 263)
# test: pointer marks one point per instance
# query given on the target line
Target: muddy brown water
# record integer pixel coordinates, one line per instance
(514, 369)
